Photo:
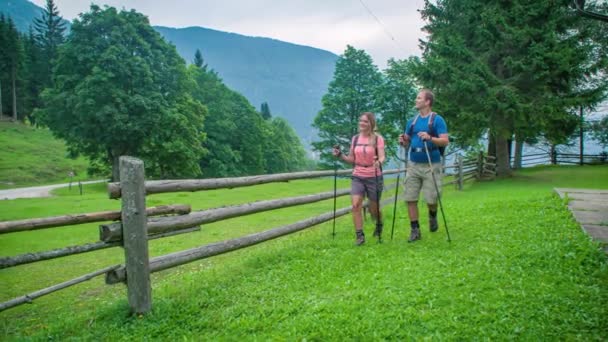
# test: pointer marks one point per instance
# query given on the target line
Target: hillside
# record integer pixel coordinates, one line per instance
(30, 156)
(290, 78)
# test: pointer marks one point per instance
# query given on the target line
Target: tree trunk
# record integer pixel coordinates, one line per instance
(15, 95)
(491, 143)
(519, 150)
(502, 157)
(553, 155)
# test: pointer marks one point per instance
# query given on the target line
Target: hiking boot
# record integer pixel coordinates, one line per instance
(433, 225)
(378, 230)
(415, 235)
(360, 238)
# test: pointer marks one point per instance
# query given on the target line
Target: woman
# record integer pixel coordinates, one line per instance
(367, 155)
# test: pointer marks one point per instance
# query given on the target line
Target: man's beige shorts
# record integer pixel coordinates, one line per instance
(419, 177)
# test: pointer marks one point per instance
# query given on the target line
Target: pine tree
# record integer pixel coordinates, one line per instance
(198, 60)
(49, 29)
(265, 111)
(503, 68)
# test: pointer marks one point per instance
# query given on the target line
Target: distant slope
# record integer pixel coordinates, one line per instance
(23, 13)
(31, 156)
(291, 78)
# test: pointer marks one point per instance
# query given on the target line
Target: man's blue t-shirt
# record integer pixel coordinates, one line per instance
(417, 153)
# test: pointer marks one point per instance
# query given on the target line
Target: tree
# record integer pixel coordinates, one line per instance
(198, 60)
(12, 60)
(265, 111)
(396, 98)
(49, 31)
(283, 150)
(120, 89)
(351, 92)
(235, 131)
(35, 66)
(503, 68)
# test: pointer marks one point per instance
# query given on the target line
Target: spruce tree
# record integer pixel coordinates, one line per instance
(49, 32)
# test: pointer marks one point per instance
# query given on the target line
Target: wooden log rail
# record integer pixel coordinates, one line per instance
(28, 298)
(68, 220)
(163, 186)
(183, 257)
(28, 258)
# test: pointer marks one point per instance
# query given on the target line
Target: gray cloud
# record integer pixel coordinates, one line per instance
(328, 25)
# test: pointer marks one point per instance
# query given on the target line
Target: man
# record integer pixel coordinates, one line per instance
(430, 129)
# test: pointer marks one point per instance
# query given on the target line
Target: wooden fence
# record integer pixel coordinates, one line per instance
(556, 158)
(135, 224)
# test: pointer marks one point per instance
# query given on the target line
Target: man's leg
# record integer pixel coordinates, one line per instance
(413, 185)
(412, 210)
(431, 196)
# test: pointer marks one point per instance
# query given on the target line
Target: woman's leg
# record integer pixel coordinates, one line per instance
(357, 201)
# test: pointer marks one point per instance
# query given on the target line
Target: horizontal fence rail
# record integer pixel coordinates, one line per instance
(69, 220)
(28, 298)
(28, 258)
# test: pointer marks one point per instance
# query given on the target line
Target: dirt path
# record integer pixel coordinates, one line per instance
(37, 191)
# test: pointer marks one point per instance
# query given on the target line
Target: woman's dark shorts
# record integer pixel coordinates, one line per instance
(367, 186)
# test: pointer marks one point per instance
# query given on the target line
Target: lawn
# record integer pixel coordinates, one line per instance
(518, 267)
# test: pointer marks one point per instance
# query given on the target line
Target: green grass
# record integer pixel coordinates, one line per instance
(518, 267)
(30, 156)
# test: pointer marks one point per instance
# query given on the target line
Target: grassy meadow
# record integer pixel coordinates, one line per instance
(31, 156)
(518, 267)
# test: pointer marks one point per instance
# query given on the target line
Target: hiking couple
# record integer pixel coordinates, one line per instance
(367, 155)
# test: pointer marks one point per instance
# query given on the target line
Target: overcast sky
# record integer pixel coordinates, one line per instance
(325, 24)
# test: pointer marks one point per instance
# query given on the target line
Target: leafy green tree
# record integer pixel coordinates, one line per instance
(283, 150)
(396, 98)
(265, 111)
(235, 131)
(49, 29)
(120, 89)
(506, 67)
(351, 92)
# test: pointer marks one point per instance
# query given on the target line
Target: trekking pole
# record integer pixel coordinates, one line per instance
(333, 233)
(428, 156)
(397, 188)
(378, 216)
(395, 205)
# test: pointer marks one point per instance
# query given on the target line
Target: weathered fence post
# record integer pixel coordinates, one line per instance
(135, 234)
(480, 165)
(460, 180)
